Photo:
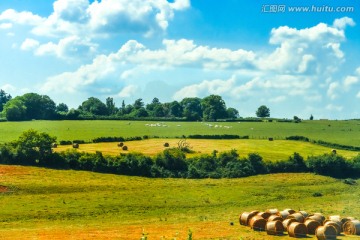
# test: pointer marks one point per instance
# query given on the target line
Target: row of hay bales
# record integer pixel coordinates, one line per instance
(300, 224)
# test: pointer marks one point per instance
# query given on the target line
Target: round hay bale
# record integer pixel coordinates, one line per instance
(335, 218)
(166, 144)
(273, 211)
(311, 226)
(275, 218)
(274, 228)
(325, 233)
(290, 211)
(264, 215)
(336, 225)
(305, 214)
(120, 144)
(246, 216)
(125, 148)
(298, 216)
(317, 217)
(284, 214)
(257, 223)
(287, 222)
(352, 227)
(75, 145)
(297, 230)
(54, 145)
(345, 219)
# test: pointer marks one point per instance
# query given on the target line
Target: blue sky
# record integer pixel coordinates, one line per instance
(251, 53)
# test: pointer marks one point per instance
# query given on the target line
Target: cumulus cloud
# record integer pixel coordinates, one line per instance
(6, 25)
(22, 18)
(334, 90)
(29, 44)
(341, 23)
(332, 107)
(128, 91)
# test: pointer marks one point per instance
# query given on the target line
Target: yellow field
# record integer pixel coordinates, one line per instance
(269, 150)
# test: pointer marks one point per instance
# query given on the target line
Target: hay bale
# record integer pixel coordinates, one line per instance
(305, 214)
(274, 228)
(125, 148)
(325, 233)
(264, 215)
(345, 219)
(284, 214)
(54, 145)
(297, 230)
(166, 144)
(290, 211)
(257, 223)
(275, 218)
(335, 218)
(246, 216)
(75, 145)
(273, 211)
(287, 222)
(120, 144)
(335, 224)
(352, 227)
(311, 226)
(317, 217)
(298, 216)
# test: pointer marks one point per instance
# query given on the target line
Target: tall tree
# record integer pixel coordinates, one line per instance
(4, 98)
(232, 113)
(176, 109)
(62, 107)
(15, 110)
(38, 106)
(213, 108)
(192, 108)
(263, 111)
(110, 105)
(94, 106)
(138, 103)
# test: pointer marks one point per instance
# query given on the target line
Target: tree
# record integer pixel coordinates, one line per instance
(94, 106)
(192, 108)
(62, 107)
(297, 119)
(110, 105)
(263, 111)
(15, 110)
(38, 106)
(232, 113)
(311, 117)
(176, 109)
(4, 98)
(213, 108)
(138, 103)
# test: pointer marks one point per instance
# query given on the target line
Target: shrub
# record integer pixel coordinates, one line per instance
(62, 142)
(298, 138)
(78, 141)
(329, 165)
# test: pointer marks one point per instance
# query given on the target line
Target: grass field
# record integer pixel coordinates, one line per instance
(40, 203)
(342, 132)
(269, 150)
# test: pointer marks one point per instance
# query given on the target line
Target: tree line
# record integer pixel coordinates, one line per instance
(35, 106)
(35, 149)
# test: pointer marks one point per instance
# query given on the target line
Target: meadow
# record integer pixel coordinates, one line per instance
(341, 132)
(40, 203)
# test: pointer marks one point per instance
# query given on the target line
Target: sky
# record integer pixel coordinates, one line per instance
(296, 57)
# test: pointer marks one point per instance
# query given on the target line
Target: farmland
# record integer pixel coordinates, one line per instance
(42, 204)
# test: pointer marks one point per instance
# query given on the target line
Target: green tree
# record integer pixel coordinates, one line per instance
(62, 107)
(232, 113)
(94, 106)
(4, 98)
(192, 108)
(138, 104)
(15, 110)
(38, 106)
(311, 117)
(213, 108)
(110, 105)
(176, 109)
(263, 111)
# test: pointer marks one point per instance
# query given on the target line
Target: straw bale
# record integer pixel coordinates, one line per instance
(264, 215)
(246, 216)
(284, 214)
(297, 230)
(257, 223)
(311, 226)
(352, 227)
(273, 211)
(274, 228)
(327, 232)
(274, 218)
(287, 222)
(336, 225)
(290, 211)
(298, 216)
(305, 214)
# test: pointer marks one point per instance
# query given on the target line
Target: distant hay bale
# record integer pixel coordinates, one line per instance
(352, 227)
(54, 145)
(290, 211)
(273, 211)
(275, 218)
(311, 226)
(326, 233)
(274, 228)
(298, 216)
(286, 223)
(271, 139)
(75, 145)
(246, 216)
(257, 223)
(264, 215)
(333, 151)
(297, 230)
(120, 144)
(166, 144)
(335, 218)
(345, 219)
(305, 214)
(317, 217)
(335, 224)
(125, 148)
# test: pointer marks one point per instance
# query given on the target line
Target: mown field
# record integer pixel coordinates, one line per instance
(40, 203)
(341, 132)
(269, 150)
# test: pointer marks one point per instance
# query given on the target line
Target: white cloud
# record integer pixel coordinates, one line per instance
(128, 91)
(350, 80)
(29, 44)
(8, 88)
(334, 90)
(277, 99)
(6, 25)
(332, 107)
(341, 23)
(23, 18)
(358, 95)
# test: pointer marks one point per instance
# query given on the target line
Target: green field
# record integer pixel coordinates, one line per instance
(341, 132)
(40, 203)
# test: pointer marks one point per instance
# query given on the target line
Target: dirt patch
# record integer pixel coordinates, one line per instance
(3, 189)
(13, 170)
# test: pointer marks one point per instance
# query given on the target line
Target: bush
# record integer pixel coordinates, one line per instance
(62, 142)
(298, 138)
(329, 165)
(78, 141)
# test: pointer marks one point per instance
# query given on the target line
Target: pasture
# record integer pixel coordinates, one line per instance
(269, 150)
(40, 203)
(341, 132)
